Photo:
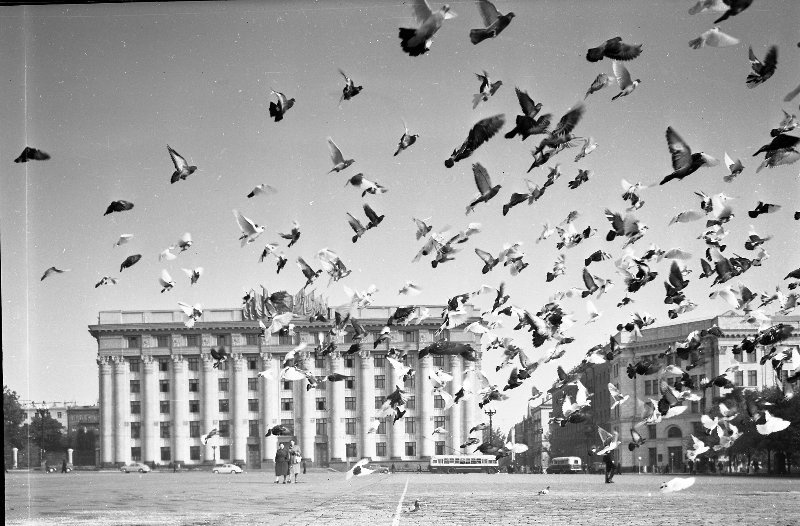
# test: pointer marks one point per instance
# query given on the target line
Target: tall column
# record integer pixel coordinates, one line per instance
(69, 456)
(396, 431)
(268, 404)
(366, 404)
(150, 437)
(239, 427)
(424, 435)
(180, 409)
(469, 409)
(336, 410)
(14, 453)
(106, 411)
(122, 429)
(454, 431)
(209, 406)
(307, 431)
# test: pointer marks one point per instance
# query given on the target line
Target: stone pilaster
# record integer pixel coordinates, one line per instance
(209, 407)
(366, 404)
(122, 430)
(454, 437)
(179, 391)
(268, 404)
(305, 435)
(239, 424)
(106, 411)
(150, 412)
(397, 431)
(336, 440)
(424, 435)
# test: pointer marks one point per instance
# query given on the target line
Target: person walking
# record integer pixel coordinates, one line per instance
(609, 461)
(294, 460)
(64, 466)
(304, 466)
(281, 463)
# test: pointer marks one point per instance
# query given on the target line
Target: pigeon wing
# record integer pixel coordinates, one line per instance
(569, 120)
(526, 103)
(179, 162)
(622, 74)
(488, 12)
(422, 11)
(484, 130)
(336, 153)
(247, 226)
(482, 179)
(680, 151)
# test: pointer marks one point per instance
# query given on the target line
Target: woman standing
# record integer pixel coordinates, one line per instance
(281, 463)
(294, 460)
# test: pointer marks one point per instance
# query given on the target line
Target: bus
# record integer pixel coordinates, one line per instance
(463, 464)
(565, 465)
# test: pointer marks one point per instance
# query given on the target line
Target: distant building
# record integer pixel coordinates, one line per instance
(83, 428)
(667, 441)
(534, 431)
(160, 390)
(56, 410)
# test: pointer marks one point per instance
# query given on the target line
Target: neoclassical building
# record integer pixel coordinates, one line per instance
(160, 391)
(666, 442)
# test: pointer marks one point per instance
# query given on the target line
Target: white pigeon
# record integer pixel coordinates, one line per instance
(687, 216)
(184, 243)
(710, 6)
(439, 431)
(280, 322)
(250, 230)
(734, 167)
(166, 281)
(714, 38)
(772, 424)
(292, 374)
(626, 84)
(193, 274)
(677, 484)
(516, 447)
(373, 426)
(593, 312)
(698, 448)
(166, 254)
(262, 189)
(358, 470)
(124, 238)
(616, 395)
(339, 162)
(194, 313)
(266, 374)
(589, 145)
(410, 289)
(449, 399)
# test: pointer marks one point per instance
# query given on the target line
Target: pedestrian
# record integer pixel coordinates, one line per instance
(294, 460)
(609, 461)
(393, 468)
(174, 467)
(691, 467)
(64, 466)
(281, 463)
(304, 466)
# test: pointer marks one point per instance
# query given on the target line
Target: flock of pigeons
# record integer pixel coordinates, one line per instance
(549, 323)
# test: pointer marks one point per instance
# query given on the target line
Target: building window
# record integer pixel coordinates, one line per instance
(380, 449)
(287, 404)
(411, 449)
(739, 378)
(350, 382)
(409, 336)
(380, 381)
(136, 429)
(751, 357)
(439, 448)
(322, 426)
(695, 407)
(351, 450)
(163, 429)
(697, 429)
(194, 429)
(382, 426)
(163, 386)
(438, 361)
(252, 384)
(193, 363)
(380, 360)
(194, 452)
(134, 364)
(674, 432)
(287, 385)
(251, 339)
(162, 341)
(411, 402)
(651, 431)
(285, 339)
(192, 340)
(133, 342)
(163, 407)
(438, 402)
(439, 421)
(288, 423)
(752, 378)
(349, 426)
(224, 405)
(320, 405)
(222, 340)
(252, 404)
(194, 406)
(350, 402)
(410, 382)
(379, 402)
(166, 454)
(225, 452)
(319, 362)
(253, 425)
(136, 454)
(348, 363)
(222, 366)
(163, 364)
(411, 425)
(136, 407)
(135, 386)
(223, 384)
(194, 385)
(224, 428)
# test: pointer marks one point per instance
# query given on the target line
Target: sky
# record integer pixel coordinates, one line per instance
(104, 88)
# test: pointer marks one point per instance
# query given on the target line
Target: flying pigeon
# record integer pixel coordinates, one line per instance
(350, 90)
(193, 313)
(527, 124)
(250, 230)
(406, 140)
(417, 41)
(262, 189)
(293, 235)
(615, 49)
(130, 261)
(118, 206)
(124, 238)
(762, 70)
(734, 7)
(734, 167)
(714, 38)
(31, 154)
(493, 21)
(677, 484)
(601, 81)
(105, 280)
(368, 187)
(277, 109)
(486, 89)
(166, 281)
(626, 85)
(483, 130)
(339, 162)
(53, 270)
(484, 184)
(193, 274)
(182, 168)
(684, 162)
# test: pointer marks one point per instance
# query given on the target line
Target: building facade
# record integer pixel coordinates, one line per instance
(666, 442)
(160, 391)
(534, 432)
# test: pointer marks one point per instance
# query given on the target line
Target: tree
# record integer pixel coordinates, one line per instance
(46, 432)
(12, 420)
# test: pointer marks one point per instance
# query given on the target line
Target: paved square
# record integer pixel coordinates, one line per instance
(323, 498)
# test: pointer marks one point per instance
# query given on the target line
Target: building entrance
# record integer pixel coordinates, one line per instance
(321, 458)
(254, 456)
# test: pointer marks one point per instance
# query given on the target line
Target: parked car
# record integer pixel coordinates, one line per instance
(137, 466)
(227, 468)
(597, 467)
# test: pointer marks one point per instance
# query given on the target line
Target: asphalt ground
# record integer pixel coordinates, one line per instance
(326, 498)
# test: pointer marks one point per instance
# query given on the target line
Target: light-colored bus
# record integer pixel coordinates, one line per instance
(463, 464)
(565, 465)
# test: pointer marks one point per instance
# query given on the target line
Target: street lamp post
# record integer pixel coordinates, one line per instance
(671, 463)
(41, 411)
(490, 413)
(639, 466)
